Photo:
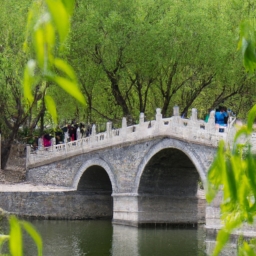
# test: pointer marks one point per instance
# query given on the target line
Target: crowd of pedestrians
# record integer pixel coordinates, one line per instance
(72, 132)
(69, 132)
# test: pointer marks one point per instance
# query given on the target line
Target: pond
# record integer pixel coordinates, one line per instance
(98, 237)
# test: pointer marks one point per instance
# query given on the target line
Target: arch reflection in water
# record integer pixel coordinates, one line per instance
(97, 238)
(129, 241)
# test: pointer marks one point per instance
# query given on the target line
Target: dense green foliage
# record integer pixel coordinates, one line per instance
(49, 23)
(128, 57)
(133, 57)
(24, 101)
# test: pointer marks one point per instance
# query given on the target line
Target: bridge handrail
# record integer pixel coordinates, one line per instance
(191, 130)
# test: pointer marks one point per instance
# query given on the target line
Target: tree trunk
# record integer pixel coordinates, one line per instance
(6, 149)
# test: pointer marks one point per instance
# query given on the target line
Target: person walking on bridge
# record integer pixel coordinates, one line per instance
(221, 117)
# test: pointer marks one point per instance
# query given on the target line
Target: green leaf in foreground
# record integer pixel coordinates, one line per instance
(222, 239)
(247, 249)
(51, 107)
(69, 4)
(65, 68)
(28, 81)
(3, 239)
(35, 236)
(60, 16)
(70, 87)
(233, 175)
(15, 241)
(39, 38)
(15, 237)
(247, 45)
(251, 118)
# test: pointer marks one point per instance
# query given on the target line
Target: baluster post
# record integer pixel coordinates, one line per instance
(158, 115)
(194, 128)
(93, 134)
(124, 128)
(211, 126)
(109, 130)
(28, 151)
(175, 120)
(142, 119)
(176, 111)
(194, 114)
(93, 130)
(159, 118)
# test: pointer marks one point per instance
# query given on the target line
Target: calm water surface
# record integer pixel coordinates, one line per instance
(96, 238)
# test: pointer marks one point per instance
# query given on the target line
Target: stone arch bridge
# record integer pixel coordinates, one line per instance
(142, 174)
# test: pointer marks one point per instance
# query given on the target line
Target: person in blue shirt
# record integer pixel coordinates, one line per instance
(221, 117)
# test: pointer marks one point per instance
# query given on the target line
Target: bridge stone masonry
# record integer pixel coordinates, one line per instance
(141, 174)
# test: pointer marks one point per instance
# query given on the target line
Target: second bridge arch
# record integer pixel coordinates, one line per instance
(168, 190)
(165, 188)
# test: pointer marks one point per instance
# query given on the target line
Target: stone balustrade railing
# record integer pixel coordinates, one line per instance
(191, 130)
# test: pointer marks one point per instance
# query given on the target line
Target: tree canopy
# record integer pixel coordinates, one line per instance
(146, 54)
(130, 57)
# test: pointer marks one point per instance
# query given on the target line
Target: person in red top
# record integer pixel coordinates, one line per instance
(72, 133)
(47, 140)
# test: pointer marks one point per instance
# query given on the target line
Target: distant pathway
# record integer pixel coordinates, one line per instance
(27, 187)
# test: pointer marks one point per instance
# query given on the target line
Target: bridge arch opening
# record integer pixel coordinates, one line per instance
(169, 190)
(96, 188)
